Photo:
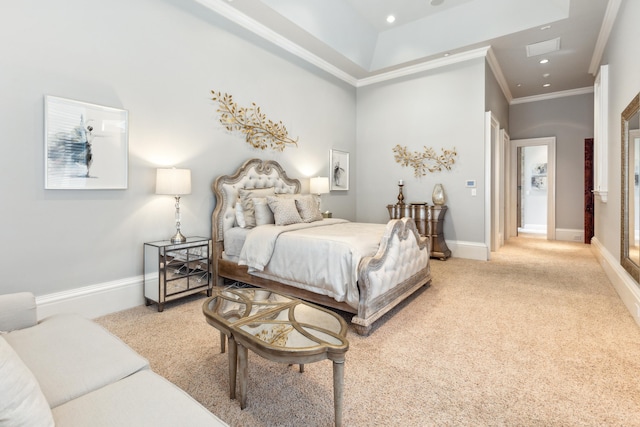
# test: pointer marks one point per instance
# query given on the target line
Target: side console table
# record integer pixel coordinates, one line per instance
(429, 221)
(175, 270)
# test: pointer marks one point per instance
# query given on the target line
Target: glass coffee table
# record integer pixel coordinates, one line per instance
(278, 328)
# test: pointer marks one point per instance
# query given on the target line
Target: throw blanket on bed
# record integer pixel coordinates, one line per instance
(321, 256)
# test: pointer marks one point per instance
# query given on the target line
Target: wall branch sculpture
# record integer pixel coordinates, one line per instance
(259, 131)
(426, 161)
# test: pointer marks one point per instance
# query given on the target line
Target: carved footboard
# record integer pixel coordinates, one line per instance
(399, 268)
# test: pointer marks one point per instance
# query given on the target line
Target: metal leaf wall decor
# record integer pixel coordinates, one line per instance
(259, 131)
(426, 161)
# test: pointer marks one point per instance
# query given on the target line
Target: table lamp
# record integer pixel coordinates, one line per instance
(319, 185)
(174, 182)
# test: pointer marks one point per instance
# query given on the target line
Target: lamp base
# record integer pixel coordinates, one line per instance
(178, 238)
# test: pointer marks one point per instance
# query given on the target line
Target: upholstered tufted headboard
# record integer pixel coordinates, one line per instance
(254, 173)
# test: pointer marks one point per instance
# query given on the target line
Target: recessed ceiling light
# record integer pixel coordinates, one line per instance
(519, 85)
(391, 19)
(545, 75)
(546, 85)
(546, 27)
(544, 61)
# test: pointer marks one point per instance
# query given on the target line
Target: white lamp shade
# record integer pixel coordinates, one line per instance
(174, 182)
(319, 185)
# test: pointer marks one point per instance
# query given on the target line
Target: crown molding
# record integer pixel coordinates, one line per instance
(261, 30)
(552, 95)
(250, 24)
(424, 66)
(603, 37)
(497, 72)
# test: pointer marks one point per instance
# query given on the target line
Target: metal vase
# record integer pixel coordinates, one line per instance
(438, 195)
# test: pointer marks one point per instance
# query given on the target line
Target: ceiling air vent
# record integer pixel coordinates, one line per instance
(541, 48)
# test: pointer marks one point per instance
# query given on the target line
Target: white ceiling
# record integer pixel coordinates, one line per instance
(353, 40)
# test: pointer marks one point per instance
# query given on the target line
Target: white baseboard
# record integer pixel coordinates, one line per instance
(468, 250)
(569, 235)
(101, 299)
(623, 283)
(104, 298)
(95, 300)
(539, 228)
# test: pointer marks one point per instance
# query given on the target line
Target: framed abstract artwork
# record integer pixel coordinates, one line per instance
(85, 145)
(339, 170)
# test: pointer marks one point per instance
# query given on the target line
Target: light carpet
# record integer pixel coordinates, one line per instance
(535, 337)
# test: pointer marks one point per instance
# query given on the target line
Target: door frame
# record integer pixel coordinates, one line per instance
(492, 188)
(550, 143)
(505, 198)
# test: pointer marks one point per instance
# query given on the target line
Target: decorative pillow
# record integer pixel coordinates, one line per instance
(22, 403)
(240, 215)
(263, 212)
(284, 210)
(289, 195)
(246, 199)
(308, 208)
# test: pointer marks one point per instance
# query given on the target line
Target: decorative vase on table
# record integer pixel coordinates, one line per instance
(438, 195)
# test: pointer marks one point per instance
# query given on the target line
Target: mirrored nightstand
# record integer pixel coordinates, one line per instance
(175, 270)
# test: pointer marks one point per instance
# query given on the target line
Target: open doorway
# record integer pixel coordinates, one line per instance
(532, 187)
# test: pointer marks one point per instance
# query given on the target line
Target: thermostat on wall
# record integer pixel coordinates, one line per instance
(470, 183)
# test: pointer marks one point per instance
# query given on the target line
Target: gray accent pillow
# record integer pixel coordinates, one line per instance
(308, 208)
(284, 210)
(246, 200)
(263, 212)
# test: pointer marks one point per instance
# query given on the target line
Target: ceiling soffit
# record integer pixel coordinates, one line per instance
(341, 25)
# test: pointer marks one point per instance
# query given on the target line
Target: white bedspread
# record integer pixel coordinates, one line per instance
(322, 256)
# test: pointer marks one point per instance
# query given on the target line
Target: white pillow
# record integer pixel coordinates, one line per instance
(22, 402)
(246, 198)
(240, 215)
(284, 210)
(309, 209)
(263, 212)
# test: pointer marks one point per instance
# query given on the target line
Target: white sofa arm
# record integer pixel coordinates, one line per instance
(17, 311)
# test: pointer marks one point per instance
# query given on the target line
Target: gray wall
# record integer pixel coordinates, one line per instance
(570, 120)
(158, 60)
(624, 69)
(495, 100)
(442, 108)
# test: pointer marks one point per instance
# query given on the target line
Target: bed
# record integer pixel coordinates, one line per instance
(359, 268)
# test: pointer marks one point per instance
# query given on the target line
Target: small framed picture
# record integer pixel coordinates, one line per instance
(339, 170)
(85, 145)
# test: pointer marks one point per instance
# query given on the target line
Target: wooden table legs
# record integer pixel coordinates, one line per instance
(233, 360)
(338, 390)
(243, 368)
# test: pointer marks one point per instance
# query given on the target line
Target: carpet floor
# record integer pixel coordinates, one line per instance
(535, 337)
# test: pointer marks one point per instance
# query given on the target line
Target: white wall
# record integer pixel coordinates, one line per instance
(442, 108)
(158, 60)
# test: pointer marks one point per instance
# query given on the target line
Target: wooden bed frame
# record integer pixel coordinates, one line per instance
(401, 239)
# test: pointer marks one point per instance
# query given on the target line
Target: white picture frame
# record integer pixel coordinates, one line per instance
(85, 146)
(339, 173)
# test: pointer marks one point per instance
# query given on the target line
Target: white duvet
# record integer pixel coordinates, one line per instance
(321, 257)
